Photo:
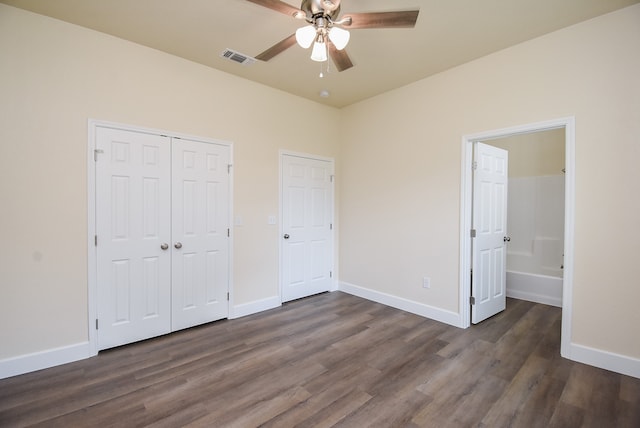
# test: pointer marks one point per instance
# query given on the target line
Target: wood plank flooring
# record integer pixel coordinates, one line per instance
(333, 360)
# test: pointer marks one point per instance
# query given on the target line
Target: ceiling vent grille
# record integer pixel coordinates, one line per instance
(237, 57)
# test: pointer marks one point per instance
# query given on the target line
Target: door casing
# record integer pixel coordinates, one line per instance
(92, 285)
(466, 203)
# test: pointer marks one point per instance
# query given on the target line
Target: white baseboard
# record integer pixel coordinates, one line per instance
(42, 360)
(254, 307)
(67, 354)
(431, 312)
(605, 360)
(533, 297)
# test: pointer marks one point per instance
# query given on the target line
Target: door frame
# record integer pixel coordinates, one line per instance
(92, 283)
(281, 154)
(466, 204)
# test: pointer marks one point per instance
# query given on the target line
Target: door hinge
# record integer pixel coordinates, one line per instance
(228, 233)
(96, 323)
(95, 240)
(330, 274)
(97, 152)
(229, 168)
(474, 165)
(473, 233)
(332, 177)
(227, 295)
(472, 300)
(330, 226)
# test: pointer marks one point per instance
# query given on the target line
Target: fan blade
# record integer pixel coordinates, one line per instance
(340, 58)
(280, 6)
(397, 19)
(277, 48)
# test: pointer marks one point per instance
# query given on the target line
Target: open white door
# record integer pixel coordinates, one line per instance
(200, 232)
(133, 231)
(490, 179)
(307, 207)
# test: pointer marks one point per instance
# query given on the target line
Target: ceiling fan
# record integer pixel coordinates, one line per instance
(325, 30)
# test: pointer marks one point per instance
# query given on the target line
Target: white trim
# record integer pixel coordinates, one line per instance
(280, 225)
(569, 234)
(44, 359)
(407, 305)
(230, 288)
(254, 307)
(305, 155)
(604, 360)
(568, 123)
(334, 286)
(155, 131)
(92, 284)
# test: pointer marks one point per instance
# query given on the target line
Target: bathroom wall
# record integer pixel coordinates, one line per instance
(535, 215)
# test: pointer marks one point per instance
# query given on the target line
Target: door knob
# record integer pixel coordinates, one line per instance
(507, 239)
(164, 246)
(178, 245)
(286, 236)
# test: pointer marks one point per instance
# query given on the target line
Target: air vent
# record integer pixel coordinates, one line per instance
(237, 57)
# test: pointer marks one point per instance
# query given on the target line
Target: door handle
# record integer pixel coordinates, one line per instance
(507, 239)
(286, 236)
(178, 245)
(164, 246)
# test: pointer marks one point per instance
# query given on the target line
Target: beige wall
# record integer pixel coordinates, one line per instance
(53, 78)
(534, 154)
(400, 191)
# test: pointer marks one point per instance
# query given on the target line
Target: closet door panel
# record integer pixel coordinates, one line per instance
(200, 228)
(133, 197)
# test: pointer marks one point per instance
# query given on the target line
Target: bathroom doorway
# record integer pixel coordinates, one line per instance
(535, 215)
(566, 126)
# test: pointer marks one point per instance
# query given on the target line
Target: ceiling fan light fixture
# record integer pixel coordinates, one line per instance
(305, 36)
(319, 52)
(339, 37)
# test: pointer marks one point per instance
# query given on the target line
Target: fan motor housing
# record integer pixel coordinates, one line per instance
(330, 8)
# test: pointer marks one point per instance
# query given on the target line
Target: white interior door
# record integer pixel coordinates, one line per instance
(490, 180)
(200, 231)
(132, 225)
(307, 215)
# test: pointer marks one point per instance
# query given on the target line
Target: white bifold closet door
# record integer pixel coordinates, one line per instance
(200, 228)
(162, 240)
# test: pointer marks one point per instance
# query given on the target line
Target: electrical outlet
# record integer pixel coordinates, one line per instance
(426, 282)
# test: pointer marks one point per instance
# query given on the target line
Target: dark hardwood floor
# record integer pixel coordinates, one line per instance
(333, 360)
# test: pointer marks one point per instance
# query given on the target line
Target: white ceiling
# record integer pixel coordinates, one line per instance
(447, 33)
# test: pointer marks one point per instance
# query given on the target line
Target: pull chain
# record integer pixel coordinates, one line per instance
(327, 69)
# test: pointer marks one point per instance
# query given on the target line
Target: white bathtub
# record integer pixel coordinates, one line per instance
(535, 288)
